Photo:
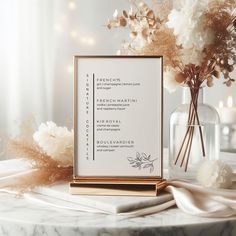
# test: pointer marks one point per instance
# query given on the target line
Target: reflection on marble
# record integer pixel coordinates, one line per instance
(22, 217)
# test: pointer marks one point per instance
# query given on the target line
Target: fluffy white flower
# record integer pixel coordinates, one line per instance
(215, 174)
(169, 80)
(188, 24)
(192, 56)
(57, 142)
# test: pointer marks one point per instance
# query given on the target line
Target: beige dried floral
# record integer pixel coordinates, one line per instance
(47, 170)
(180, 77)
(150, 36)
(197, 40)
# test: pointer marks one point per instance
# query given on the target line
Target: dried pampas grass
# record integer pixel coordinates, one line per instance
(198, 43)
(45, 170)
(165, 45)
(183, 38)
(162, 8)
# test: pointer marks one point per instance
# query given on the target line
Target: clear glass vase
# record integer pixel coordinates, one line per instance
(194, 135)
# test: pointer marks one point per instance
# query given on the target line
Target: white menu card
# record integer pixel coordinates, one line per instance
(118, 116)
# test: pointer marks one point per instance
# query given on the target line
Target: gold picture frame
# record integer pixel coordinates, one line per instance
(109, 179)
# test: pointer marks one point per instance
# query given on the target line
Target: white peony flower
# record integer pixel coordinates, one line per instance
(57, 142)
(215, 174)
(169, 80)
(188, 24)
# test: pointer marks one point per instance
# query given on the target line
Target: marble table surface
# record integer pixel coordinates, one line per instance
(22, 217)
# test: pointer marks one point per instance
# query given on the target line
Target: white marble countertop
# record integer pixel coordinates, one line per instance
(22, 217)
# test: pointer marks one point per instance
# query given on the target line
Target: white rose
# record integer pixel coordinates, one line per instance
(188, 24)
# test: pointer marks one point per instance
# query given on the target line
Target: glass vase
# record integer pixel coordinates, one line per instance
(194, 135)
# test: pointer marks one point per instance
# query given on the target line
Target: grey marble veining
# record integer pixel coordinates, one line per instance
(22, 217)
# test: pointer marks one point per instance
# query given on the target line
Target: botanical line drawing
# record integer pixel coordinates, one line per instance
(142, 161)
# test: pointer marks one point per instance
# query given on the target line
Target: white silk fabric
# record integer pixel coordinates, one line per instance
(204, 202)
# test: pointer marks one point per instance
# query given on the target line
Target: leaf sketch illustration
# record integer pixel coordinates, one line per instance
(142, 161)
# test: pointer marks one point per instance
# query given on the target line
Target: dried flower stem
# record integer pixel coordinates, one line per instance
(193, 118)
(155, 33)
(47, 171)
(195, 105)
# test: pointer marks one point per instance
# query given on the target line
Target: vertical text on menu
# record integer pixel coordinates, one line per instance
(89, 116)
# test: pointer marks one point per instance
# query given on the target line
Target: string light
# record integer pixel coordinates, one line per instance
(91, 41)
(73, 34)
(70, 69)
(71, 5)
(87, 40)
(83, 40)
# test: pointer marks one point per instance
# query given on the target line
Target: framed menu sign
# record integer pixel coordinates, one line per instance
(118, 118)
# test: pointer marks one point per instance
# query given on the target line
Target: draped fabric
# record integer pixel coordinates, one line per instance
(204, 202)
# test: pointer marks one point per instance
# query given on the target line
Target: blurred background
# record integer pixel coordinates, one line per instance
(38, 41)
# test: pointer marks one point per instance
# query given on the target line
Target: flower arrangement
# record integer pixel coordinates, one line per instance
(49, 151)
(215, 174)
(197, 39)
